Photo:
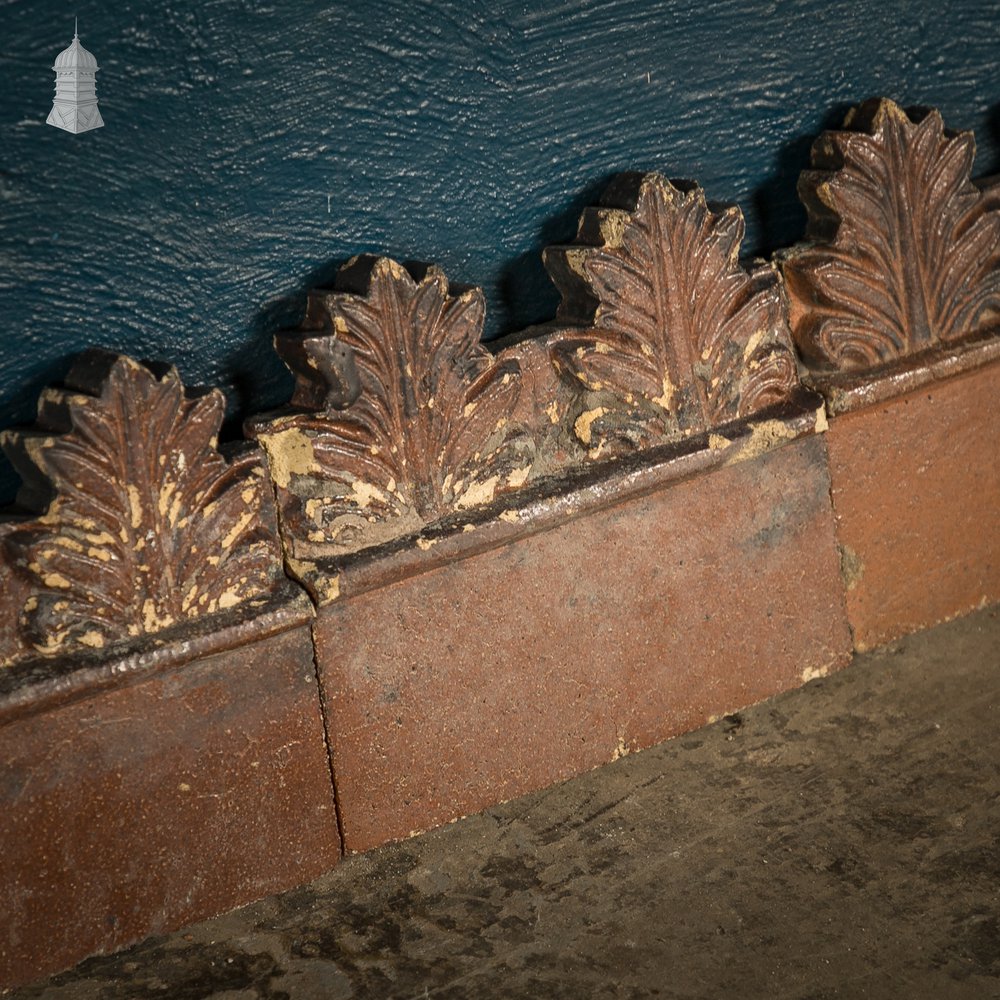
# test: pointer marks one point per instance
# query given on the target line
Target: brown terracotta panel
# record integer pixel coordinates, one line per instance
(190, 791)
(520, 666)
(916, 494)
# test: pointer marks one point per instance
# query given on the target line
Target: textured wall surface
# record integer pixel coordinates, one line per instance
(248, 148)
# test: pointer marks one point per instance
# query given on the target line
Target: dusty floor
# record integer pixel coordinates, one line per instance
(842, 840)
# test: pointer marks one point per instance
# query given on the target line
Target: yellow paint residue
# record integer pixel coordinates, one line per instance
(290, 453)
(665, 400)
(613, 222)
(576, 260)
(821, 425)
(765, 436)
(553, 412)
(621, 750)
(811, 673)
(175, 509)
(426, 543)
(301, 567)
(314, 507)
(582, 425)
(166, 491)
(135, 504)
(753, 343)
(518, 476)
(151, 621)
(93, 639)
(717, 441)
(510, 516)
(478, 492)
(229, 599)
(101, 538)
(363, 493)
(237, 529)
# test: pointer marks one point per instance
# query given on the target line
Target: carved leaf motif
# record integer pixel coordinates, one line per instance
(430, 430)
(148, 524)
(672, 319)
(906, 250)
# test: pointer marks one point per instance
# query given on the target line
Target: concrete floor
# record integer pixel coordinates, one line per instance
(841, 841)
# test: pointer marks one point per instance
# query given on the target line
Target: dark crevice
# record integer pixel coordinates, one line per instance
(327, 741)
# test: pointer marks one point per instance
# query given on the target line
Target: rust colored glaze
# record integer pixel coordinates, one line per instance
(916, 497)
(482, 679)
(196, 787)
(904, 251)
(38, 684)
(847, 391)
(136, 521)
(670, 334)
(661, 335)
(553, 501)
(419, 422)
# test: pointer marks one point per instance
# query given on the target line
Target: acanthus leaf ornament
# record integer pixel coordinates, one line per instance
(903, 250)
(142, 523)
(429, 431)
(664, 317)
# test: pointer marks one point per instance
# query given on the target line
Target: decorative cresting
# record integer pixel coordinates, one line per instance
(409, 415)
(676, 336)
(905, 250)
(142, 522)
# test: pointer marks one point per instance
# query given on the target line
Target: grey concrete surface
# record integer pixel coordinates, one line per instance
(839, 841)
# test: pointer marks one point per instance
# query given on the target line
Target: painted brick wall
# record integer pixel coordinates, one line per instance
(248, 146)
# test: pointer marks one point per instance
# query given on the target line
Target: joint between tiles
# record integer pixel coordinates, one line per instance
(327, 741)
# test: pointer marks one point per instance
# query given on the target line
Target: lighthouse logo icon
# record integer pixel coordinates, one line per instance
(75, 106)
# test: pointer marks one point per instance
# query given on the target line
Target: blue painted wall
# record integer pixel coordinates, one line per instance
(248, 147)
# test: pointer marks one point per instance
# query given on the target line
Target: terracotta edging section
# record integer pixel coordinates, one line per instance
(591, 639)
(38, 685)
(159, 684)
(524, 559)
(424, 473)
(849, 391)
(552, 502)
(896, 303)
